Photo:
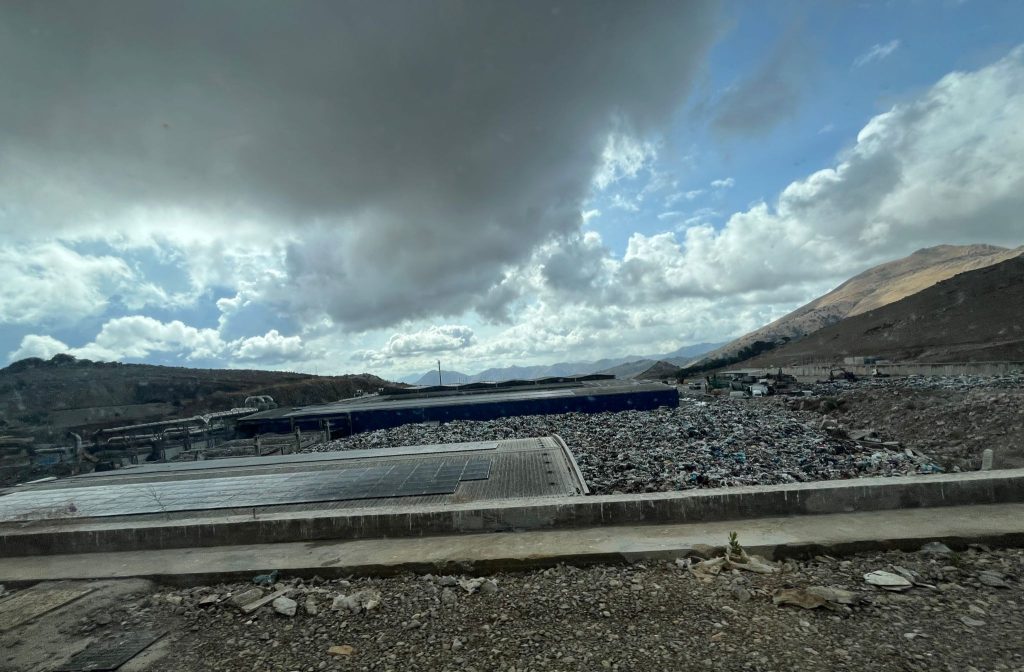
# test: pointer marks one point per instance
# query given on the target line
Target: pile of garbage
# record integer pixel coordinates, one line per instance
(702, 444)
(951, 419)
(1012, 381)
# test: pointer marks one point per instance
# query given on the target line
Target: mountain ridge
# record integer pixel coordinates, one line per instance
(873, 288)
(973, 316)
(608, 365)
(51, 395)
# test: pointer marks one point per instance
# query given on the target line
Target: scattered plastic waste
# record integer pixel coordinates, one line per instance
(703, 444)
(266, 579)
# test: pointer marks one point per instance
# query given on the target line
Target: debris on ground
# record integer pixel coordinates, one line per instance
(735, 558)
(266, 580)
(950, 419)
(363, 600)
(310, 606)
(936, 548)
(486, 586)
(815, 596)
(888, 580)
(702, 444)
(245, 597)
(871, 427)
(207, 600)
(645, 616)
(285, 606)
(253, 606)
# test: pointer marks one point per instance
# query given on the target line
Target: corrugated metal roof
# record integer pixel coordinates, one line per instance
(515, 468)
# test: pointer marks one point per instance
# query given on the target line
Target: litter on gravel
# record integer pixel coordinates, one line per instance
(702, 444)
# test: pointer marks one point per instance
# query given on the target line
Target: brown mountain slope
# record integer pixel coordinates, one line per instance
(874, 288)
(52, 396)
(974, 316)
(659, 371)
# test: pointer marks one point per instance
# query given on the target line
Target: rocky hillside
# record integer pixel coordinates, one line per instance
(661, 370)
(974, 316)
(874, 288)
(64, 392)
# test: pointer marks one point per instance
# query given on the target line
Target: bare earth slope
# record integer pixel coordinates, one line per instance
(874, 288)
(974, 316)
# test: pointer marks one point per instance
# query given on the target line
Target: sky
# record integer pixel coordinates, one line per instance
(335, 187)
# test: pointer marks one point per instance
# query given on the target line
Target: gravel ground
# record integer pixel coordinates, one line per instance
(951, 419)
(641, 617)
(702, 444)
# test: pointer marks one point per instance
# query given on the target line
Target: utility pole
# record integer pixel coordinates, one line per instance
(439, 373)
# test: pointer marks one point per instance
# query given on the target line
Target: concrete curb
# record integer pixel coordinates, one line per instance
(775, 538)
(488, 567)
(741, 503)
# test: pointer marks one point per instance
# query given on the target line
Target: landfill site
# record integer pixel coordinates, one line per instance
(511, 336)
(574, 523)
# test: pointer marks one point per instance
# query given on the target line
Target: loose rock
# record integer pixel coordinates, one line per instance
(285, 606)
(936, 548)
(993, 579)
(571, 619)
(363, 600)
(888, 581)
(246, 597)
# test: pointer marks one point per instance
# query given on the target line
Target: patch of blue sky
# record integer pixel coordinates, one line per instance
(838, 66)
(164, 269)
(255, 319)
(10, 339)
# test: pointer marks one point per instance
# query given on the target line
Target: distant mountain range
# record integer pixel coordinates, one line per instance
(874, 288)
(621, 367)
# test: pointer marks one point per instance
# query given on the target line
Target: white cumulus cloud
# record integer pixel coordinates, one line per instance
(272, 346)
(51, 283)
(943, 168)
(137, 336)
(35, 345)
(429, 341)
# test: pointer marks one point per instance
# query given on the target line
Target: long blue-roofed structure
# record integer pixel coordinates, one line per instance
(478, 401)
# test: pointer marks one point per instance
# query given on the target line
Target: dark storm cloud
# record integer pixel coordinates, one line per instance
(575, 266)
(769, 94)
(416, 148)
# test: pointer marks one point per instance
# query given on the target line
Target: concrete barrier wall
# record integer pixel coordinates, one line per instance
(694, 506)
